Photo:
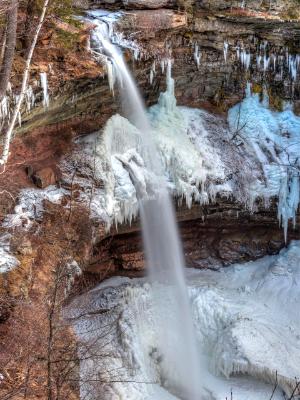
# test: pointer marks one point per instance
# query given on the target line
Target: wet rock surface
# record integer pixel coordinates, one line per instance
(213, 236)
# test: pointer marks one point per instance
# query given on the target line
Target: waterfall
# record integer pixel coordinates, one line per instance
(164, 254)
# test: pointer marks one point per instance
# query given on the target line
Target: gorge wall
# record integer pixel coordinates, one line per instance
(81, 101)
(217, 47)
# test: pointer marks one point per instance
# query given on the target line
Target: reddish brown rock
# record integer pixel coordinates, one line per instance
(152, 21)
(133, 261)
(44, 177)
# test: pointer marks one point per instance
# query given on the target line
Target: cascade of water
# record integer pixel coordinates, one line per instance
(161, 240)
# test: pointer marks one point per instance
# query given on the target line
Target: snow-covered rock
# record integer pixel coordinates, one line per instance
(7, 261)
(273, 139)
(247, 322)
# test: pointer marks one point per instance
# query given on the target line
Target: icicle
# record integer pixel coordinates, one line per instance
(197, 55)
(238, 52)
(258, 60)
(266, 62)
(151, 77)
(136, 54)
(293, 64)
(111, 75)
(152, 72)
(154, 67)
(245, 59)
(19, 119)
(44, 85)
(248, 89)
(162, 65)
(29, 99)
(225, 50)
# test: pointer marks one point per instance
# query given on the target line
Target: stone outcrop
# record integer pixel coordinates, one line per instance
(151, 22)
(258, 5)
(213, 236)
(80, 96)
(148, 4)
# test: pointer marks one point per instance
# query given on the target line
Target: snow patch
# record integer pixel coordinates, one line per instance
(30, 206)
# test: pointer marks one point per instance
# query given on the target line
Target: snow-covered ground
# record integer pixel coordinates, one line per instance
(247, 321)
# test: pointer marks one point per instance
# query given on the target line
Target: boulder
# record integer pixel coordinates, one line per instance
(44, 177)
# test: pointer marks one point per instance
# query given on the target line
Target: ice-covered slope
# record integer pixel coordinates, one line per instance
(274, 140)
(246, 316)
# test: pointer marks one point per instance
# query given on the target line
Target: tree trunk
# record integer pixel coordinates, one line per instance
(10, 45)
(17, 109)
(28, 28)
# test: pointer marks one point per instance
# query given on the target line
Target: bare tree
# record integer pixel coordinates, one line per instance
(9, 45)
(12, 122)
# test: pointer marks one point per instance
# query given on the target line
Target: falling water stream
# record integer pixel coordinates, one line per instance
(161, 240)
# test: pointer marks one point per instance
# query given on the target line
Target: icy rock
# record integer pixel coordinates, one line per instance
(7, 261)
(273, 139)
(30, 206)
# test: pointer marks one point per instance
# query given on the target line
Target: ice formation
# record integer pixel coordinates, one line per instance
(190, 157)
(247, 316)
(273, 138)
(152, 72)
(44, 85)
(245, 57)
(270, 61)
(7, 261)
(225, 50)
(197, 55)
(9, 101)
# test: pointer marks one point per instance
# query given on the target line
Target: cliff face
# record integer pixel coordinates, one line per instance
(79, 91)
(206, 46)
